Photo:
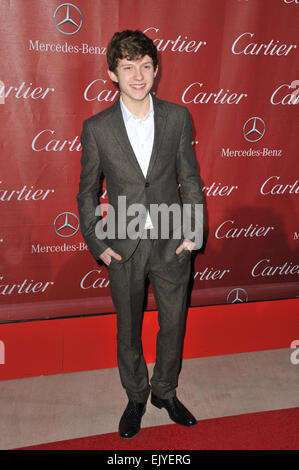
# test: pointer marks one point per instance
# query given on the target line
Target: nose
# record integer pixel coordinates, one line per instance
(138, 74)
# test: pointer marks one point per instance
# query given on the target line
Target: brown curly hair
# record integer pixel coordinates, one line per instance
(130, 45)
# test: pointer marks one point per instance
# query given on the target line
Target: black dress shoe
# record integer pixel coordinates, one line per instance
(130, 421)
(176, 410)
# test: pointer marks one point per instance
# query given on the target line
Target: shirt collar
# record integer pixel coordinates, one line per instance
(127, 114)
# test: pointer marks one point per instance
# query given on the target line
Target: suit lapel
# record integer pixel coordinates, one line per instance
(160, 118)
(119, 130)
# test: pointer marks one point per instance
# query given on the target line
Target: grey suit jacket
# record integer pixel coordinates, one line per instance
(106, 150)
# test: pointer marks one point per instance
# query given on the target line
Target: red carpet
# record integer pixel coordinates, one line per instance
(269, 430)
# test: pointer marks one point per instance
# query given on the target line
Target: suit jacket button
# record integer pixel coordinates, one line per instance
(147, 184)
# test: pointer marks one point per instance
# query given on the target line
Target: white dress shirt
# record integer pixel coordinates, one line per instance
(141, 136)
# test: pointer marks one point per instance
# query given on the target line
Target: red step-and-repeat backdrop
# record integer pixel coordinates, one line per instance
(233, 63)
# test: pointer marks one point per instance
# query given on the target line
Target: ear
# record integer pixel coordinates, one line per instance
(156, 71)
(112, 76)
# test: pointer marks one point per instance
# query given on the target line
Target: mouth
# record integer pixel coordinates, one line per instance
(138, 86)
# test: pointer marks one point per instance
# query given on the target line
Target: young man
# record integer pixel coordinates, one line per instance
(143, 147)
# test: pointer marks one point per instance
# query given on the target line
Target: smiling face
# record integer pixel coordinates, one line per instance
(135, 79)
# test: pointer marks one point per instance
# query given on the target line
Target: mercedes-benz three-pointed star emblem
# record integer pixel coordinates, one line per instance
(68, 18)
(237, 296)
(66, 224)
(254, 129)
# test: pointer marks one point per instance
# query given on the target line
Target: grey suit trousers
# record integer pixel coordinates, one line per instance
(169, 282)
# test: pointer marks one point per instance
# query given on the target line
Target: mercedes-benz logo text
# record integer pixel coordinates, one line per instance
(66, 224)
(254, 129)
(68, 18)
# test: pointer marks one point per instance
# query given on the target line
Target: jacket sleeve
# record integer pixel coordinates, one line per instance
(190, 181)
(89, 187)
